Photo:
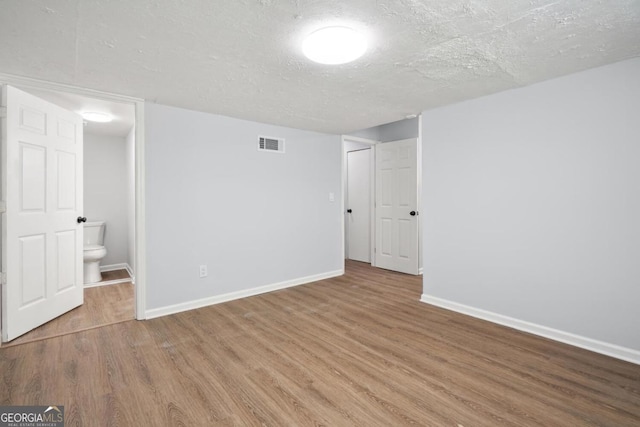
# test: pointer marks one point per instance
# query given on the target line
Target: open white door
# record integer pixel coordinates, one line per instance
(397, 206)
(42, 189)
(358, 205)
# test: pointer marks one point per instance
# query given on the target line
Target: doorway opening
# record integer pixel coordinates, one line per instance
(391, 193)
(113, 177)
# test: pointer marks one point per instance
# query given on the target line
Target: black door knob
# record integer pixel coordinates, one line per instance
(413, 213)
(82, 219)
(349, 210)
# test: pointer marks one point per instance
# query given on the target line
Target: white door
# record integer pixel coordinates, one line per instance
(42, 190)
(397, 206)
(359, 205)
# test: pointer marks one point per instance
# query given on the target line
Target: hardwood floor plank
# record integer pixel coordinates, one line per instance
(353, 350)
(103, 305)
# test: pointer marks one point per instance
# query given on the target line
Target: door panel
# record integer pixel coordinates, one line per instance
(359, 202)
(405, 228)
(386, 246)
(396, 197)
(66, 177)
(33, 263)
(33, 120)
(33, 175)
(42, 243)
(65, 259)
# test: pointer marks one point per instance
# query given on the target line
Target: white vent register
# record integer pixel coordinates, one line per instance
(274, 145)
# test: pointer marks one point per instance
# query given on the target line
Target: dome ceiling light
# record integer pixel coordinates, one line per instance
(334, 45)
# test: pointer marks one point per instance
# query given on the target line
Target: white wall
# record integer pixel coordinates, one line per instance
(105, 192)
(394, 131)
(254, 218)
(130, 154)
(372, 133)
(532, 204)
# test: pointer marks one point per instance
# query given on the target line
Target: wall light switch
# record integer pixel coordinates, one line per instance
(203, 271)
(332, 197)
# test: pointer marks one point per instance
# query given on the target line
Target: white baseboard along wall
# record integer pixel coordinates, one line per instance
(601, 347)
(113, 267)
(217, 299)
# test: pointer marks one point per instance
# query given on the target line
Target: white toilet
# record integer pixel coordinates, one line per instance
(94, 250)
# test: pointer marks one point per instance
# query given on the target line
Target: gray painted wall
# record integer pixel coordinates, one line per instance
(395, 131)
(105, 192)
(532, 203)
(253, 218)
(369, 133)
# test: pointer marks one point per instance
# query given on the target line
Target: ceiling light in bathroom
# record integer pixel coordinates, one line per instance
(334, 45)
(94, 116)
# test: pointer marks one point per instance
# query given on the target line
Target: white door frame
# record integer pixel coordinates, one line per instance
(371, 143)
(140, 234)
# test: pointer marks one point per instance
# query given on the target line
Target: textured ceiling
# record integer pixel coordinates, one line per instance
(242, 58)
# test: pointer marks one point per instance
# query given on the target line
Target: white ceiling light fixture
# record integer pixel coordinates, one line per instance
(334, 45)
(94, 116)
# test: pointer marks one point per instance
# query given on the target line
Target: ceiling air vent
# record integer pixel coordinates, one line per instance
(274, 145)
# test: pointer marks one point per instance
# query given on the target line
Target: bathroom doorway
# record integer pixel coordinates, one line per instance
(109, 196)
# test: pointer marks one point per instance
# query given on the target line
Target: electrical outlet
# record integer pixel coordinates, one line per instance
(203, 271)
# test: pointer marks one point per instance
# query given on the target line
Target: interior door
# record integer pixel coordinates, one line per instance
(359, 205)
(397, 206)
(42, 189)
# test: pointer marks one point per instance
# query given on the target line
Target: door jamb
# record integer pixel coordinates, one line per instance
(140, 235)
(372, 143)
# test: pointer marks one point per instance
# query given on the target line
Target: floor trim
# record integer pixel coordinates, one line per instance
(112, 267)
(217, 299)
(108, 282)
(619, 352)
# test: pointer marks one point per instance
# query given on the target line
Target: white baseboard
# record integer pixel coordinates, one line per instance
(601, 347)
(217, 299)
(113, 267)
(130, 271)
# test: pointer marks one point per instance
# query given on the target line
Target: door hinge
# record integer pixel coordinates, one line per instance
(3, 112)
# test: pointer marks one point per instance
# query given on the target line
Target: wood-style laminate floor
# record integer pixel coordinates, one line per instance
(103, 305)
(353, 350)
(108, 276)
